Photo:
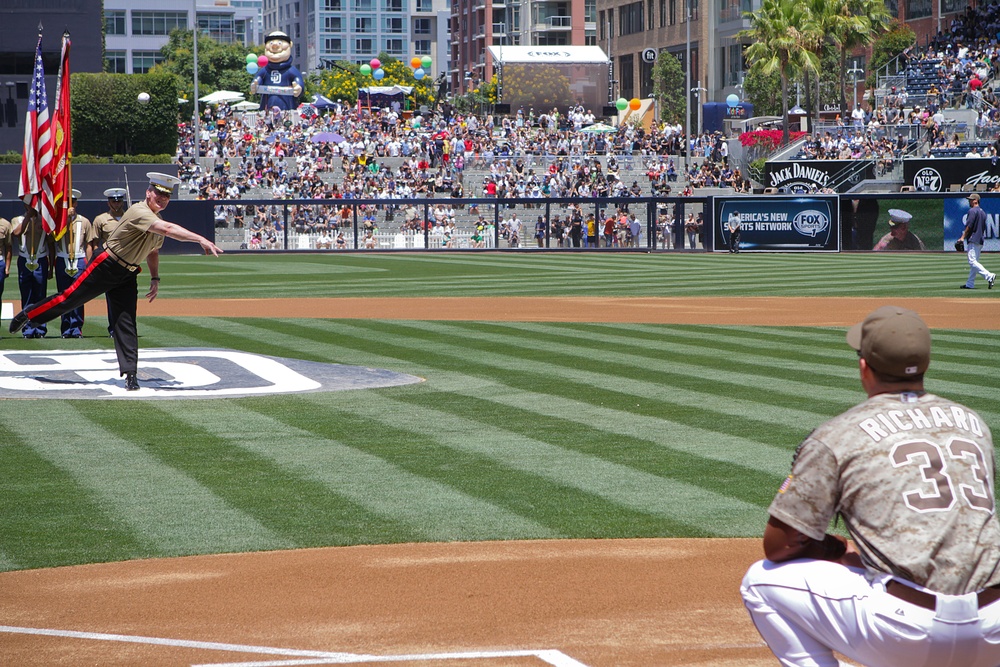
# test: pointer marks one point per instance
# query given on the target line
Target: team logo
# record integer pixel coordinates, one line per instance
(811, 222)
(927, 180)
(179, 373)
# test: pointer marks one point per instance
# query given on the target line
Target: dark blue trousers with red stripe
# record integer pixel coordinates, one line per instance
(103, 275)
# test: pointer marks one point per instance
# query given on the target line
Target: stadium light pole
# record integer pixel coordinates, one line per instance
(687, 89)
(197, 114)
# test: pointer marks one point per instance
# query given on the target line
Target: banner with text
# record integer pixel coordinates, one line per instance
(939, 174)
(779, 223)
(806, 176)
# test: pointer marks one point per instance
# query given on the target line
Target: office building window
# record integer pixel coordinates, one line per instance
(143, 61)
(333, 5)
(364, 45)
(393, 25)
(424, 6)
(333, 46)
(422, 47)
(630, 18)
(364, 25)
(157, 23)
(333, 24)
(363, 5)
(393, 5)
(394, 47)
(421, 26)
(114, 62)
(114, 22)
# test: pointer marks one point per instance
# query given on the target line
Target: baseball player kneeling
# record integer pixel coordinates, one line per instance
(911, 476)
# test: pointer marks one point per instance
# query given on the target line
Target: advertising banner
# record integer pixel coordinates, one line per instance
(792, 224)
(939, 174)
(806, 176)
(955, 209)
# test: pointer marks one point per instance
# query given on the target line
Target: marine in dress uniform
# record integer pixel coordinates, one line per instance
(105, 223)
(6, 235)
(34, 268)
(137, 238)
(73, 253)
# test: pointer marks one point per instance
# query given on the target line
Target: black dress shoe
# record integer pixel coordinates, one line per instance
(131, 383)
(18, 322)
(966, 287)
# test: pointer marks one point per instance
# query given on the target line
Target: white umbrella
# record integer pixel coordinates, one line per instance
(246, 105)
(221, 96)
(599, 128)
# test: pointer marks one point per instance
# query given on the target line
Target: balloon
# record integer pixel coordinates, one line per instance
(252, 68)
(378, 74)
(634, 104)
(366, 70)
(251, 57)
(415, 62)
(262, 61)
(426, 62)
(733, 100)
(621, 104)
(376, 63)
(419, 74)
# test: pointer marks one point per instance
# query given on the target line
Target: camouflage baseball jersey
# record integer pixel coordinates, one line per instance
(912, 477)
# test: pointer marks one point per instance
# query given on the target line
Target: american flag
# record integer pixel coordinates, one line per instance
(37, 157)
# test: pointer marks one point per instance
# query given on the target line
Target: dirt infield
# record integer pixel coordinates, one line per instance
(567, 603)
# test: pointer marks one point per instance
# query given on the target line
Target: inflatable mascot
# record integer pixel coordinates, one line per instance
(278, 82)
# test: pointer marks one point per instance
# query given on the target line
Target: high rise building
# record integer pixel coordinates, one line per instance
(476, 24)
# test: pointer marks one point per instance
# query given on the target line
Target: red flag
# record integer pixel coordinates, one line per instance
(37, 156)
(61, 146)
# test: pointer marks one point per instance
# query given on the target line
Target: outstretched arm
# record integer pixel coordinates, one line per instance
(178, 233)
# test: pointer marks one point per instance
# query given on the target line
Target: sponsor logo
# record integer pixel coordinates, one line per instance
(811, 222)
(178, 373)
(799, 172)
(649, 55)
(984, 178)
(927, 180)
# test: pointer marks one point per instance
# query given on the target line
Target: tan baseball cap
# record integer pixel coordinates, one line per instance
(973, 197)
(894, 341)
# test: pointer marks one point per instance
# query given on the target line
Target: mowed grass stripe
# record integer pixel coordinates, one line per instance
(101, 446)
(43, 504)
(537, 372)
(398, 505)
(283, 509)
(675, 507)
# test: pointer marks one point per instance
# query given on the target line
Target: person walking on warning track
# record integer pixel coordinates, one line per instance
(911, 475)
(972, 236)
(136, 238)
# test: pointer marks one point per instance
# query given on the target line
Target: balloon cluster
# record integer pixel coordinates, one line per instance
(621, 104)
(374, 68)
(420, 66)
(255, 62)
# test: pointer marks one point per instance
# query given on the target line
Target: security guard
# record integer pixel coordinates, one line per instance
(34, 268)
(73, 252)
(115, 271)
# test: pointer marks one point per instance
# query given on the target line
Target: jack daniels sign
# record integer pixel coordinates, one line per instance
(939, 174)
(805, 176)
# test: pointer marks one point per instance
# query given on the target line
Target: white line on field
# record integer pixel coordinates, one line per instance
(551, 657)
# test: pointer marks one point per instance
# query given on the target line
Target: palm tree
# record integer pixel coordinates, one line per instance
(781, 33)
(858, 24)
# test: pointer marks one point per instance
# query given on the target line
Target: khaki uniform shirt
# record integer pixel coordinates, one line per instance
(6, 227)
(32, 241)
(104, 224)
(912, 477)
(131, 241)
(83, 234)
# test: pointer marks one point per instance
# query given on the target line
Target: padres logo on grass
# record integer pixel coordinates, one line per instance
(179, 373)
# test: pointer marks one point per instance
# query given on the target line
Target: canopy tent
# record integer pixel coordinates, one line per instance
(382, 96)
(562, 55)
(220, 96)
(599, 128)
(246, 105)
(323, 102)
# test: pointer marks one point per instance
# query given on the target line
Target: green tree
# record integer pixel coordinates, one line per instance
(108, 118)
(781, 33)
(668, 87)
(887, 48)
(343, 79)
(856, 25)
(220, 66)
(763, 91)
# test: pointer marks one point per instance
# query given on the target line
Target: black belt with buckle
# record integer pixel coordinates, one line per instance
(121, 262)
(926, 600)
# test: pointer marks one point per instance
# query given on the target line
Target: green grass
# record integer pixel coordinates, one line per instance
(521, 430)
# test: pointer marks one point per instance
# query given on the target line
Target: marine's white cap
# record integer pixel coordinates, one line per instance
(899, 217)
(76, 193)
(115, 193)
(162, 182)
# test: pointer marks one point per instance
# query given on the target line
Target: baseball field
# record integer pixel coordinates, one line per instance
(580, 478)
